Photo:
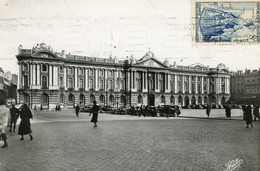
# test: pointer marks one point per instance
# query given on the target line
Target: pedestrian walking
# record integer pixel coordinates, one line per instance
(248, 116)
(208, 109)
(4, 116)
(228, 111)
(77, 110)
(94, 111)
(25, 125)
(14, 116)
(256, 112)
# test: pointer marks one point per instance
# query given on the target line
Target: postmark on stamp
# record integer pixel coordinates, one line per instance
(226, 21)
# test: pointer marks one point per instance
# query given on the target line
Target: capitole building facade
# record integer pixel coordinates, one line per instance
(48, 78)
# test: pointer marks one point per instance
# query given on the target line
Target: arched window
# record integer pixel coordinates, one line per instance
(161, 85)
(140, 99)
(61, 82)
(199, 100)
(80, 71)
(110, 74)
(193, 88)
(199, 88)
(122, 85)
(213, 88)
(138, 85)
(62, 98)
(44, 98)
(91, 84)
(101, 84)
(163, 99)
(71, 98)
(186, 87)
(180, 87)
(122, 99)
(82, 99)
(122, 74)
(102, 98)
(91, 72)
(44, 81)
(92, 98)
(151, 84)
(81, 84)
(172, 100)
(110, 85)
(180, 101)
(172, 87)
(205, 100)
(25, 81)
(70, 70)
(61, 69)
(44, 67)
(101, 72)
(70, 83)
(111, 98)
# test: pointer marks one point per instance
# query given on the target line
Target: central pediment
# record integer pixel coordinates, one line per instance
(151, 62)
(44, 54)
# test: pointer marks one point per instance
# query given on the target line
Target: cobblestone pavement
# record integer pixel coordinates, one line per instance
(64, 142)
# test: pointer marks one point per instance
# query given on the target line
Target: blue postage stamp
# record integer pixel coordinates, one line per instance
(227, 21)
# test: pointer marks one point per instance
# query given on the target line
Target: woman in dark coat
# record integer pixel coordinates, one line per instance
(228, 111)
(208, 109)
(25, 125)
(94, 111)
(248, 116)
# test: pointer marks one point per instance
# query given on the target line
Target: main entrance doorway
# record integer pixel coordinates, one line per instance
(151, 100)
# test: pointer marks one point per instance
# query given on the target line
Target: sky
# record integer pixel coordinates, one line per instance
(121, 28)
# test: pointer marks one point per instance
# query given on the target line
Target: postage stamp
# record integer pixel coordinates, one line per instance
(226, 21)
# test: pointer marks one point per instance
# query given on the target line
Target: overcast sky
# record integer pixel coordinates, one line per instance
(118, 27)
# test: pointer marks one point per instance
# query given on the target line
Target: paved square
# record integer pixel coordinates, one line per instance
(132, 143)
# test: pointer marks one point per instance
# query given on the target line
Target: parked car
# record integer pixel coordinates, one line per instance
(121, 110)
(87, 108)
(107, 108)
(165, 110)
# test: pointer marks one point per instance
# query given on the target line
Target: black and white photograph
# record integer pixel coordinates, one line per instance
(125, 85)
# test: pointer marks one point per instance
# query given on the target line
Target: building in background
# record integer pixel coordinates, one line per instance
(48, 78)
(8, 85)
(245, 87)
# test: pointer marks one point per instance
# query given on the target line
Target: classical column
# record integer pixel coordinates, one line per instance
(202, 85)
(50, 75)
(175, 83)
(20, 76)
(228, 85)
(196, 85)
(208, 85)
(76, 78)
(38, 75)
(55, 80)
(31, 75)
(183, 84)
(65, 77)
(96, 79)
(86, 79)
(34, 74)
(169, 82)
(134, 79)
(156, 81)
(189, 84)
(143, 80)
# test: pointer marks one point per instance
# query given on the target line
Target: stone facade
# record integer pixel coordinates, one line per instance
(48, 78)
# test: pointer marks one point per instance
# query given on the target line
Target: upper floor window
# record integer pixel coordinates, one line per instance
(199, 78)
(91, 72)
(122, 75)
(80, 71)
(44, 81)
(61, 69)
(44, 67)
(70, 70)
(110, 73)
(101, 73)
(81, 84)
(25, 67)
(212, 79)
(70, 83)
(192, 78)
(25, 81)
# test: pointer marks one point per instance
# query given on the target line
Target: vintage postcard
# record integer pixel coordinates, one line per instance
(228, 21)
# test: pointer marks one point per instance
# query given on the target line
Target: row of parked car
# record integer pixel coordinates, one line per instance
(164, 110)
